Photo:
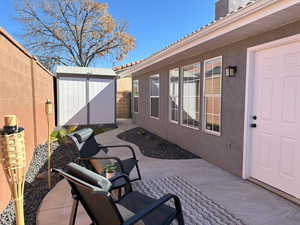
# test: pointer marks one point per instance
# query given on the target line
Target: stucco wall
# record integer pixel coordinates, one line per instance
(24, 87)
(226, 150)
(124, 84)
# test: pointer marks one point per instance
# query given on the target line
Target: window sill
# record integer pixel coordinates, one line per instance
(187, 126)
(156, 118)
(212, 133)
(174, 122)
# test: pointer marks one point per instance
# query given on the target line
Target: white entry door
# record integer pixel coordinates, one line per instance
(102, 101)
(275, 141)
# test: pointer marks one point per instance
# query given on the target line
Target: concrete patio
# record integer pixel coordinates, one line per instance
(247, 201)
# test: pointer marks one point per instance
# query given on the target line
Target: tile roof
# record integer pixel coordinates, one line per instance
(125, 66)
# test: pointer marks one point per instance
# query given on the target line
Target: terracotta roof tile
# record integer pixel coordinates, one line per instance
(125, 66)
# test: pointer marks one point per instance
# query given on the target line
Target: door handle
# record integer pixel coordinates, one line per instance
(254, 117)
(253, 125)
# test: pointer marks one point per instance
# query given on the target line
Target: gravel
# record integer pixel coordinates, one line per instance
(36, 188)
(154, 146)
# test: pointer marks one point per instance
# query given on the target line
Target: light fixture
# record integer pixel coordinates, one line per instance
(230, 71)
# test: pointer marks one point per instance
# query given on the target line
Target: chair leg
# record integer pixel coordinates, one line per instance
(119, 193)
(179, 213)
(180, 219)
(74, 212)
(138, 171)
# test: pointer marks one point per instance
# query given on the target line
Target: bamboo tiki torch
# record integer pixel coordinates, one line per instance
(49, 111)
(13, 160)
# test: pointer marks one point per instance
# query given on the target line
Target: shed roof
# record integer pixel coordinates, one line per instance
(74, 70)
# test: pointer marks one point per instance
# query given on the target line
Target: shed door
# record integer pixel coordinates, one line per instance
(72, 101)
(276, 140)
(102, 101)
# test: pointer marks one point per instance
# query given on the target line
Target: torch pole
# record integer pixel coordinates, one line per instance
(13, 160)
(49, 110)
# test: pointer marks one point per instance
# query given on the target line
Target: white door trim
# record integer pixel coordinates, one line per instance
(249, 96)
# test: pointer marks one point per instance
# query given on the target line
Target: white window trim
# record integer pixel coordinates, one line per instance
(170, 113)
(181, 97)
(204, 102)
(152, 96)
(136, 96)
(170, 110)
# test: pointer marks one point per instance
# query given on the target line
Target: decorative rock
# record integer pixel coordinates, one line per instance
(154, 146)
(36, 188)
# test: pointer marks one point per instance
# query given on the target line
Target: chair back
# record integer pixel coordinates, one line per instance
(85, 142)
(87, 146)
(92, 191)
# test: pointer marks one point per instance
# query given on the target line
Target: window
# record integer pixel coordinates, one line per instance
(174, 94)
(135, 94)
(212, 95)
(154, 96)
(190, 113)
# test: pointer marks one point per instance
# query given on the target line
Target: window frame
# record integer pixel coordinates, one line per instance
(150, 97)
(181, 96)
(178, 96)
(136, 96)
(216, 133)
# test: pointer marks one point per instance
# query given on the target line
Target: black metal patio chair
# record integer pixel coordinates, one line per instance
(134, 208)
(96, 155)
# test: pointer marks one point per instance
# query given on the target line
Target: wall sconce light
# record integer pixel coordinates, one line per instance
(230, 71)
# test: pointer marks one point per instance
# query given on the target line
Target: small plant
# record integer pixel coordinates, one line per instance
(60, 132)
(111, 168)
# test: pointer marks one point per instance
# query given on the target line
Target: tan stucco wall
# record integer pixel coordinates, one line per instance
(24, 87)
(124, 84)
(226, 150)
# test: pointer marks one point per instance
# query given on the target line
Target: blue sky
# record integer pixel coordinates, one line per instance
(154, 23)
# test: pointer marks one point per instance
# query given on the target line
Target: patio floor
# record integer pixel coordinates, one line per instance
(247, 201)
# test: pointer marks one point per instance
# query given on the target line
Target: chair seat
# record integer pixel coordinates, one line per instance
(128, 165)
(126, 214)
(136, 201)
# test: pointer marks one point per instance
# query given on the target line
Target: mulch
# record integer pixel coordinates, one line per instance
(154, 146)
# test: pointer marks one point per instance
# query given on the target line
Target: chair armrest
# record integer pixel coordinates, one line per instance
(120, 146)
(146, 211)
(108, 157)
(120, 176)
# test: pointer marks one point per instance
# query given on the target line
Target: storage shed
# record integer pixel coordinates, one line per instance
(86, 96)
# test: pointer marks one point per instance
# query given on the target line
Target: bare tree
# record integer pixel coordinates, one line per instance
(72, 32)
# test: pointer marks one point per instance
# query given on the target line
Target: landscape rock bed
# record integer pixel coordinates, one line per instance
(154, 146)
(36, 189)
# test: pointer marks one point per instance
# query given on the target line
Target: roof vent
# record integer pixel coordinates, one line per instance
(223, 7)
